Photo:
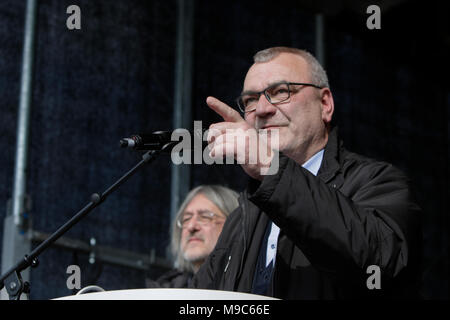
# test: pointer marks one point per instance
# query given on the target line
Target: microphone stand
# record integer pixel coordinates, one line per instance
(12, 279)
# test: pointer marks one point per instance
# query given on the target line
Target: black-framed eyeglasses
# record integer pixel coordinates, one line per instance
(275, 93)
(203, 218)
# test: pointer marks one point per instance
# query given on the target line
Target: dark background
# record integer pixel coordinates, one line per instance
(115, 77)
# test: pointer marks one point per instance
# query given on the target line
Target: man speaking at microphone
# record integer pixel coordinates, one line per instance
(328, 223)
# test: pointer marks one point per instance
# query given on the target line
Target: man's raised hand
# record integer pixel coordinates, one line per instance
(235, 138)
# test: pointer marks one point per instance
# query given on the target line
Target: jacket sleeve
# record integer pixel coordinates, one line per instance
(369, 220)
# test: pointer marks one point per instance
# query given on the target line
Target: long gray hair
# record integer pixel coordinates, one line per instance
(224, 198)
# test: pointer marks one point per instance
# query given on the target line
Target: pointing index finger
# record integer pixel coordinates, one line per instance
(226, 112)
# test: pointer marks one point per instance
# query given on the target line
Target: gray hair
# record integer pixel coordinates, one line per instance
(224, 198)
(317, 73)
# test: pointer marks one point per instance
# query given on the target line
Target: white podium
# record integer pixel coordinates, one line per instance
(166, 294)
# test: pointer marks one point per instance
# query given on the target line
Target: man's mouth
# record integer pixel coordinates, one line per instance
(194, 239)
(271, 127)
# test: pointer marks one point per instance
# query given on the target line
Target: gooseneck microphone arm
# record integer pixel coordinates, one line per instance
(12, 279)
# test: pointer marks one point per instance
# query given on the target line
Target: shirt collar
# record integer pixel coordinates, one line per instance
(313, 163)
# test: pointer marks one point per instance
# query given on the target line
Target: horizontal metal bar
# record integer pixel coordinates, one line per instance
(107, 254)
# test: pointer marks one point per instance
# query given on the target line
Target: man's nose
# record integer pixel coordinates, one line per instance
(264, 108)
(193, 225)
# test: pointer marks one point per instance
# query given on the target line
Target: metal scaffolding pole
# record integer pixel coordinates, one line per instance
(320, 38)
(180, 180)
(16, 238)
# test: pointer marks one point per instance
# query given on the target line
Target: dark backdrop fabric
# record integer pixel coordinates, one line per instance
(92, 87)
(11, 38)
(115, 77)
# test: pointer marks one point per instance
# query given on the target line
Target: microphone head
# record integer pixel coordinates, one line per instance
(127, 143)
(123, 143)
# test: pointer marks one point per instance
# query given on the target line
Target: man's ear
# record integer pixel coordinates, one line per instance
(326, 99)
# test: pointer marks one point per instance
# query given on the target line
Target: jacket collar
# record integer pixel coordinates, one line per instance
(330, 163)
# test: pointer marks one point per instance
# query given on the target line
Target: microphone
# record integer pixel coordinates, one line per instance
(158, 140)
